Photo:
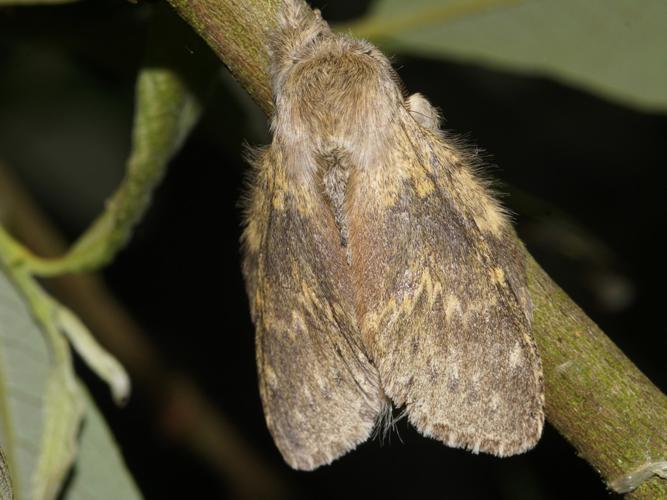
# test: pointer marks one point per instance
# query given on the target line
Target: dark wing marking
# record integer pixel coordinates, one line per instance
(443, 307)
(320, 394)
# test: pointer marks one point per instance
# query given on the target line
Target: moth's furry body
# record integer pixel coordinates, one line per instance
(379, 268)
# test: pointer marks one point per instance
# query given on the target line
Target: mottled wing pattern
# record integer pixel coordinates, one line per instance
(443, 306)
(321, 395)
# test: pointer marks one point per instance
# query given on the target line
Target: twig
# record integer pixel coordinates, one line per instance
(603, 405)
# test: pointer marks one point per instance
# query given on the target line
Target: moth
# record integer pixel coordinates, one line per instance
(380, 269)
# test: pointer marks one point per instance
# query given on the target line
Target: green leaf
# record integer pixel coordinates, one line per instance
(100, 472)
(56, 318)
(615, 48)
(63, 410)
(41, 402)
(24, 373)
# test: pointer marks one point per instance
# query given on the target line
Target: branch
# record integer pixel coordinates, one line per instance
(596, 398)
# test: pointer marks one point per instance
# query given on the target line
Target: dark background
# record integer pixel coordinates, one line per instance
(584, 177)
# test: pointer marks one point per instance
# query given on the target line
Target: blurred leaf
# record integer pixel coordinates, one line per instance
(99, 472)
(24, 371)
(56, 319)
(63, 411)
(40, 408)
(615, 48)
(41, 403)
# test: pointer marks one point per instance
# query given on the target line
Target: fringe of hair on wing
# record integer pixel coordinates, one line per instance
(481, 164)
(475, 159)
(385, 424)
(251, 155)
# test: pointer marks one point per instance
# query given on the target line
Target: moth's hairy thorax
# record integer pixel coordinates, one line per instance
(335, 100)
(337, 106)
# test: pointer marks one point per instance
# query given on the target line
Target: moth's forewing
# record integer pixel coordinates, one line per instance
(320, 394)
(444, 309)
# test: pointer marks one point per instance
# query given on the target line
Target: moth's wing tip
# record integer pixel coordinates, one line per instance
(306, 463)
(309, 460)
(301, 464)
(518, 445)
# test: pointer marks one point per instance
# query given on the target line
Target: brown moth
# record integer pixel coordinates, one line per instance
(379, 268)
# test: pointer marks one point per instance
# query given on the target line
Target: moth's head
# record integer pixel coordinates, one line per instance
(298, 29)
(326, 82)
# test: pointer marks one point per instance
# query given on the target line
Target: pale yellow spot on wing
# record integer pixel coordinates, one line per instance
(296, 415)
(306, 203)
(308, 298)
(379, 186)
(375, 320)
(328, 312)
(423, 185)
(298, 325)
(498, 275)
(495, 401)
(383, 189)
(315, 307)
(486, 212)
(490, 218)
(252, 236)
(280, 186)
(278, 201)
(452, 306)
(259, 299)
(321, 382)
(270, 375)
(516, 356)
(452, 370)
